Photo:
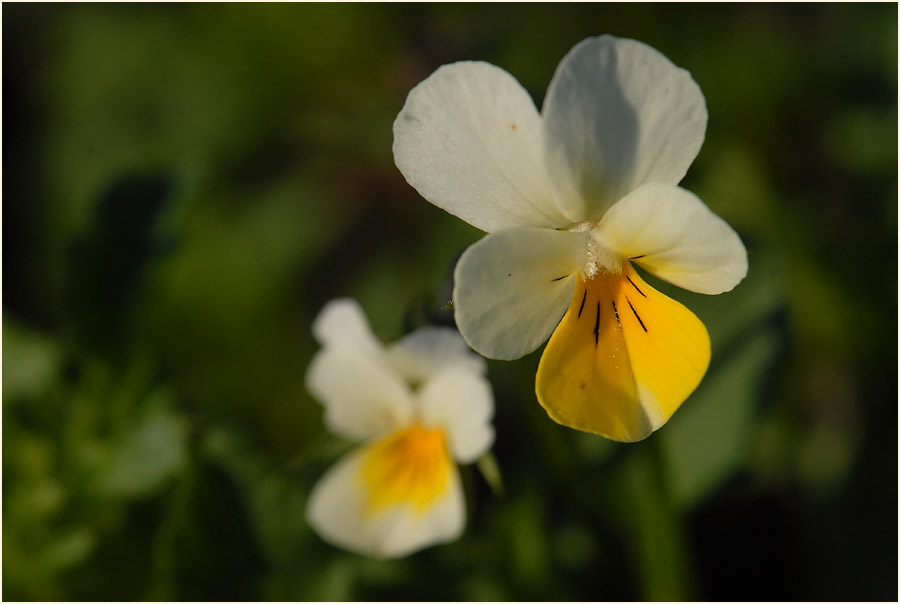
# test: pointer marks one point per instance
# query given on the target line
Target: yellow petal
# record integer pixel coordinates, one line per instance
(623, 358)
(411, 467)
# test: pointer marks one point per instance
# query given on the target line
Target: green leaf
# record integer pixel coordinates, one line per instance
(487, 465)
(68, 549)
(207, 549)
(711, 436)
(107, 264)
(145, 454)
(30, 361)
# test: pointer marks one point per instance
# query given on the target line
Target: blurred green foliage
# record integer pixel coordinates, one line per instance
(186, 185)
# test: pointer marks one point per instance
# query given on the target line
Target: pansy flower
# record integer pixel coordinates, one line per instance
(419, 407)
(573, 198)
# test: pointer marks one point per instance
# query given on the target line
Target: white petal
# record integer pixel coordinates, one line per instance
(618, 114)
(469, 140)
(343, 323)
(462, 403)
(362, 398)
(425, 352)
(512, 287)
(337, 511)
(673, 235)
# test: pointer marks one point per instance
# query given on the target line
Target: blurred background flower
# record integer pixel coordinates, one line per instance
(186, 185)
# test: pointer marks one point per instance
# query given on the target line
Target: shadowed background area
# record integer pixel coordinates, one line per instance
(184, 187)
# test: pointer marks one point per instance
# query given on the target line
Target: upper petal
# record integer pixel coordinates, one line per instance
(460, 402)
(425, 352)
(469, 140)
(512, 287)
(675, 236)
(379, 502)
(343, 323)
(362, 398)
(618, 114)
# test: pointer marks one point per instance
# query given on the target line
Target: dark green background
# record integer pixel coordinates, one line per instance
(184, 187)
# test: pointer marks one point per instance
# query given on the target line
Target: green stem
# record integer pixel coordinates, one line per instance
(660, 545)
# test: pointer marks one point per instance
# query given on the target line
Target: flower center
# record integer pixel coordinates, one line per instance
(596, 257)
(409, 467)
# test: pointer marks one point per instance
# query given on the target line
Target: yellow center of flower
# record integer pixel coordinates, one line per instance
(623, 358)
(410, 467)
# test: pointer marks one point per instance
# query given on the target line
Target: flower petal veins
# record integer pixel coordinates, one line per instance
(622, 360)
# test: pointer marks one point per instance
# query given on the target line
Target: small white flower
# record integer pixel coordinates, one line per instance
(418, 405)
(570, 199)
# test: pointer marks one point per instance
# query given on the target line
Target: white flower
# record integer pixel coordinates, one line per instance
(570, 199)
(418, 405)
